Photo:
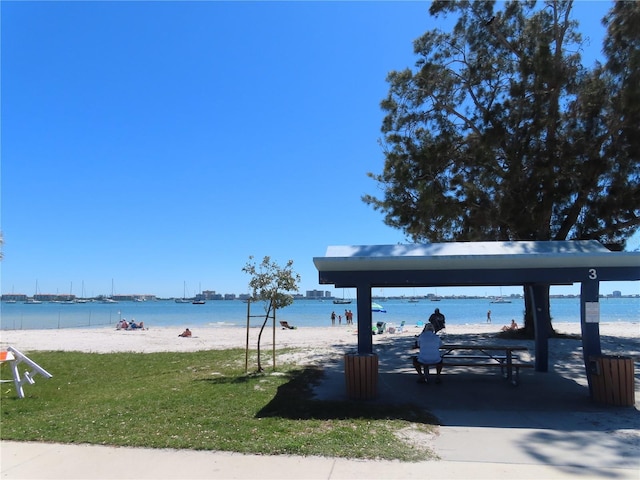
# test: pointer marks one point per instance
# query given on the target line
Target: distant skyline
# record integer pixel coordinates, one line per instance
(148, 144)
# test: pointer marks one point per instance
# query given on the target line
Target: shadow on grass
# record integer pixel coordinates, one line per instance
(294, 400)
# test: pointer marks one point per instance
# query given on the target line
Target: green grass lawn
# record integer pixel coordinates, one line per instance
(201, 401)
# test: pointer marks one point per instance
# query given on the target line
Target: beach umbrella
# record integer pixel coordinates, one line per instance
(377, 308)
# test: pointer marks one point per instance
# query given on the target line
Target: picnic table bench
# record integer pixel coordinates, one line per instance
(476, 355)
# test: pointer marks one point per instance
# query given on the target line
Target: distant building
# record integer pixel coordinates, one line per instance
(14, 297)
(133, 298)
(209, 295)
(317, 294)
(616, 294)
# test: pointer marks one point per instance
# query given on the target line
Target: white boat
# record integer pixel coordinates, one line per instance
(184, 294)
(82, 299)
(33, 301)
(500, 300)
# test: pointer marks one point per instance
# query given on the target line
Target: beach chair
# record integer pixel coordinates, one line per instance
(15, 357)
(400, 329)
(285, 325)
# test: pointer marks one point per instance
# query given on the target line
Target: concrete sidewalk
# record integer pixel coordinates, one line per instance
(54, 461)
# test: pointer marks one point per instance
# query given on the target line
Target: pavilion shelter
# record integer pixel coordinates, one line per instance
(533, 265)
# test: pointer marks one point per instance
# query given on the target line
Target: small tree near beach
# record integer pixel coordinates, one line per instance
(272, 284)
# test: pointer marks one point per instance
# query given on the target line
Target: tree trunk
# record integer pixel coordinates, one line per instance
(266, 319)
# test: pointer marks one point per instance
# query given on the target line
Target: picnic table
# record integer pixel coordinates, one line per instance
(485, 355)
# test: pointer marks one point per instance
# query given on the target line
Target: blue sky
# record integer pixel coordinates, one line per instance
(154, 143)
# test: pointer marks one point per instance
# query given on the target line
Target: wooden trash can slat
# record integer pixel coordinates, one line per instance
(361, 375)
(613, 380)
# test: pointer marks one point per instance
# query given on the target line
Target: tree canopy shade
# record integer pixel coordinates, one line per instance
(500, 133)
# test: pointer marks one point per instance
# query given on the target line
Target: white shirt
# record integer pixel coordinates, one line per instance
(429, 344)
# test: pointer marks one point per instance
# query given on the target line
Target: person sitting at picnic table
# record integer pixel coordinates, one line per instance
(429, 344)
(186, 333)
(513, 326)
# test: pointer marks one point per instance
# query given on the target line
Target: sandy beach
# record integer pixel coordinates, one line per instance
(619, 338)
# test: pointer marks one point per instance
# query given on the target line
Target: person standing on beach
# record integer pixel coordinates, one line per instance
(489, 316)
(437, 320)
(333, 319)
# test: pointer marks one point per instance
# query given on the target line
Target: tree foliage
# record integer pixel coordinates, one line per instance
(500, 133)
(271, 284)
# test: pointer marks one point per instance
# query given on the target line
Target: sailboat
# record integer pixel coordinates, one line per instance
(500, 299)
(33, 301)
(11, 299)
(82, 299)
(199, 300)
(184, 294)
(435, 298)
(414, 299)
(343, 301)
(110, 299)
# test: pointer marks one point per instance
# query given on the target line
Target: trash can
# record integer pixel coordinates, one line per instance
(612, 380)
(361, 375)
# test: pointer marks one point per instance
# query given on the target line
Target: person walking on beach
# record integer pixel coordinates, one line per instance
(437, 320)
(333, 319)
(489, 316)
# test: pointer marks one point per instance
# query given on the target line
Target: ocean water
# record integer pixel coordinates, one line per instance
(302, 313)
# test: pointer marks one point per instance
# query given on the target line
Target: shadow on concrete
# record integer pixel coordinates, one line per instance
(549, 418)
(481, 396)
